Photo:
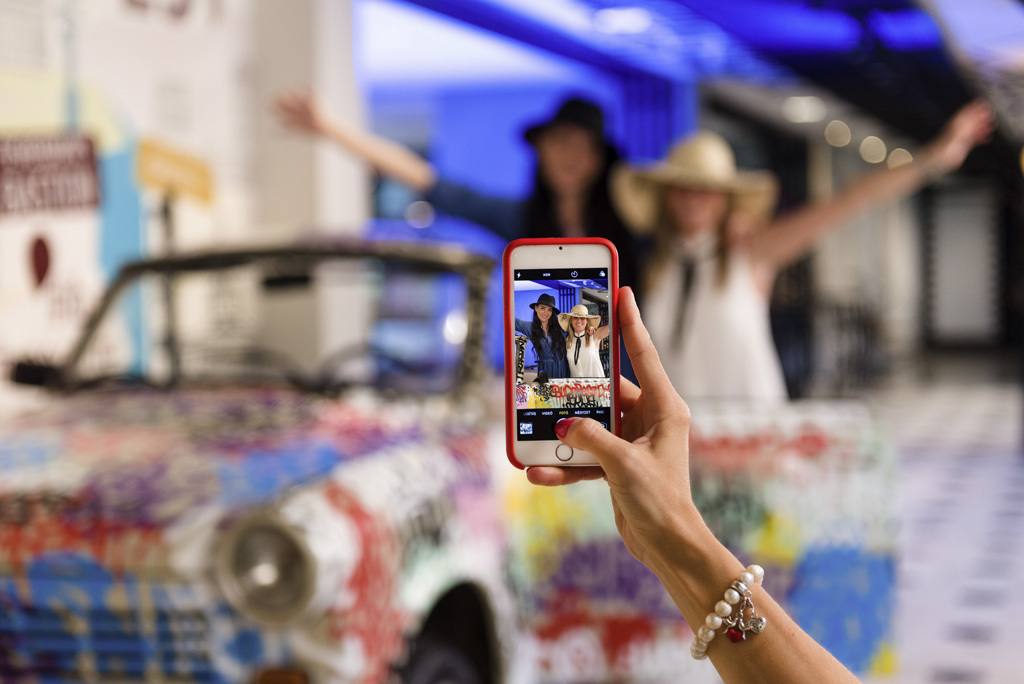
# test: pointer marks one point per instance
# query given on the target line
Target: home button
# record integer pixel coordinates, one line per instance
(563, 452)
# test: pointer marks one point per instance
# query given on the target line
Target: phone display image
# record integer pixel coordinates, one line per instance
(562, 349)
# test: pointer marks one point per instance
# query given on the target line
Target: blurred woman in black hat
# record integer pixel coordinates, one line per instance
(570, 195)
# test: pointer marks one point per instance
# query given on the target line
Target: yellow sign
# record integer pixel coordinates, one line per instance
(161, 167)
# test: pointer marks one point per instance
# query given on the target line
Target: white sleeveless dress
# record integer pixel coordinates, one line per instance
(727, 350)
(589, 364)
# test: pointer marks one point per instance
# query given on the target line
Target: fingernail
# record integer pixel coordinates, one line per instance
(562, 427)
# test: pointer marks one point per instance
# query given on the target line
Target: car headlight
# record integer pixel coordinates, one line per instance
(266, 569)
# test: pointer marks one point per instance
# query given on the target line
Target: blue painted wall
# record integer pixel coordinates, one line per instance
(478, 138)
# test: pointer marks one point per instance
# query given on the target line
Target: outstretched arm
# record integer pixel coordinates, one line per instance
(791, 236)
(301, 112)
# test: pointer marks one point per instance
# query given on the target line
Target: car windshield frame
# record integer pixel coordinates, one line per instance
(475, 269)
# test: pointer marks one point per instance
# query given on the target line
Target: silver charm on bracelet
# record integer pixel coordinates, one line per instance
(735, 615)
(744, 620)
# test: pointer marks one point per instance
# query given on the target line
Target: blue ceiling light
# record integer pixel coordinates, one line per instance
(782, 28)
(390, 50)
(623, 20)
(562, 38)
(659, 38)
(906, 30)
(778, 27)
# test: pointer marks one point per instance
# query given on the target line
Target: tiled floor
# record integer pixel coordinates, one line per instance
(960, 616)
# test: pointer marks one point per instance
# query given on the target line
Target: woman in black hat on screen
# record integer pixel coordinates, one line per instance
(547, 338)
(570, 195)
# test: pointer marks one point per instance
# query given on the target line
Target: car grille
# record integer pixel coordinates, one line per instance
(104, 645)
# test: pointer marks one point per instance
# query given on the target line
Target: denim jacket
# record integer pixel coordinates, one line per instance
(550, 360)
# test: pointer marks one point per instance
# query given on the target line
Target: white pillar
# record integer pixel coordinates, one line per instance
(297, 182)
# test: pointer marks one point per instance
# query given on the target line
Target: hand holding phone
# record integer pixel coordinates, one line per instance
(561, 344)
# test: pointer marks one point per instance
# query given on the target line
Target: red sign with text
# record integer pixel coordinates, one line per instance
(40, 173)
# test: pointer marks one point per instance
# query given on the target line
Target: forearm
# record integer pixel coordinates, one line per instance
(791, 236)
(385, 156)
(888, 185)
(696, 569)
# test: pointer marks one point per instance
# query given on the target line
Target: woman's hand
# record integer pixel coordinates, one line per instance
(301, 112)
(970, 126)
(648, 474)
(647, 469)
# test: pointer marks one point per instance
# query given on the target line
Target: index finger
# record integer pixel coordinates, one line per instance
(629, 394)
(653, 379)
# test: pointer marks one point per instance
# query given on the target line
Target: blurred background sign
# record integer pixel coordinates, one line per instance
(47, 172)
(163, 168)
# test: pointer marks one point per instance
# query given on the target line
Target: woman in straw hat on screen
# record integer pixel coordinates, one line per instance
(708, 287)
(583, 341)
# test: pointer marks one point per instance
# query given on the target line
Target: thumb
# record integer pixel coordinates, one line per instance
(592, 437)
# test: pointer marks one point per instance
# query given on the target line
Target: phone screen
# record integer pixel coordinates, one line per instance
(562, 369)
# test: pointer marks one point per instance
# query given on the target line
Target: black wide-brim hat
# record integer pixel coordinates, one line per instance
(546, 300)
(574, 111)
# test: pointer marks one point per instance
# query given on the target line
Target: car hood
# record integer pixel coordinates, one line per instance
(110, 463)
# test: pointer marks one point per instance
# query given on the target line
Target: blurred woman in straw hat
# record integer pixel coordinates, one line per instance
(583, 341)
(707, 288)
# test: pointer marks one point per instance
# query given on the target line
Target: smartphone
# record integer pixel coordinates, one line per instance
(561, 344)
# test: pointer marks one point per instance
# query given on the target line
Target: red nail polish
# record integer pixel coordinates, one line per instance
(562, 427)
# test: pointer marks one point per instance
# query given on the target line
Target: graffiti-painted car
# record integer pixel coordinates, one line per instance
(286, 465)
(197, 504)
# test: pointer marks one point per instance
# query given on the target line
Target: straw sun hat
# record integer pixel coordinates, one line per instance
(578, 311)
(703, 160)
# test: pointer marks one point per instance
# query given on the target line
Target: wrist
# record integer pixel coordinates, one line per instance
(930, 163)
(684, 541)
(334, 130)
(695, 568)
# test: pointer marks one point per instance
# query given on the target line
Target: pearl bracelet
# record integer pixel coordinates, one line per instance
(736, 623)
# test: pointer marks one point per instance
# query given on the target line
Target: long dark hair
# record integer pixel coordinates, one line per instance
(600, 217)
(537, 335)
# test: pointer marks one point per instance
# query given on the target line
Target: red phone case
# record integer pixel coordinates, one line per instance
(510, 435)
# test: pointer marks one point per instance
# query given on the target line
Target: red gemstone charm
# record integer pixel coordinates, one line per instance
(735, 635)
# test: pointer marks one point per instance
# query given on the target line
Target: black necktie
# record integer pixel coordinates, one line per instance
(689, 272)
(576, 353)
